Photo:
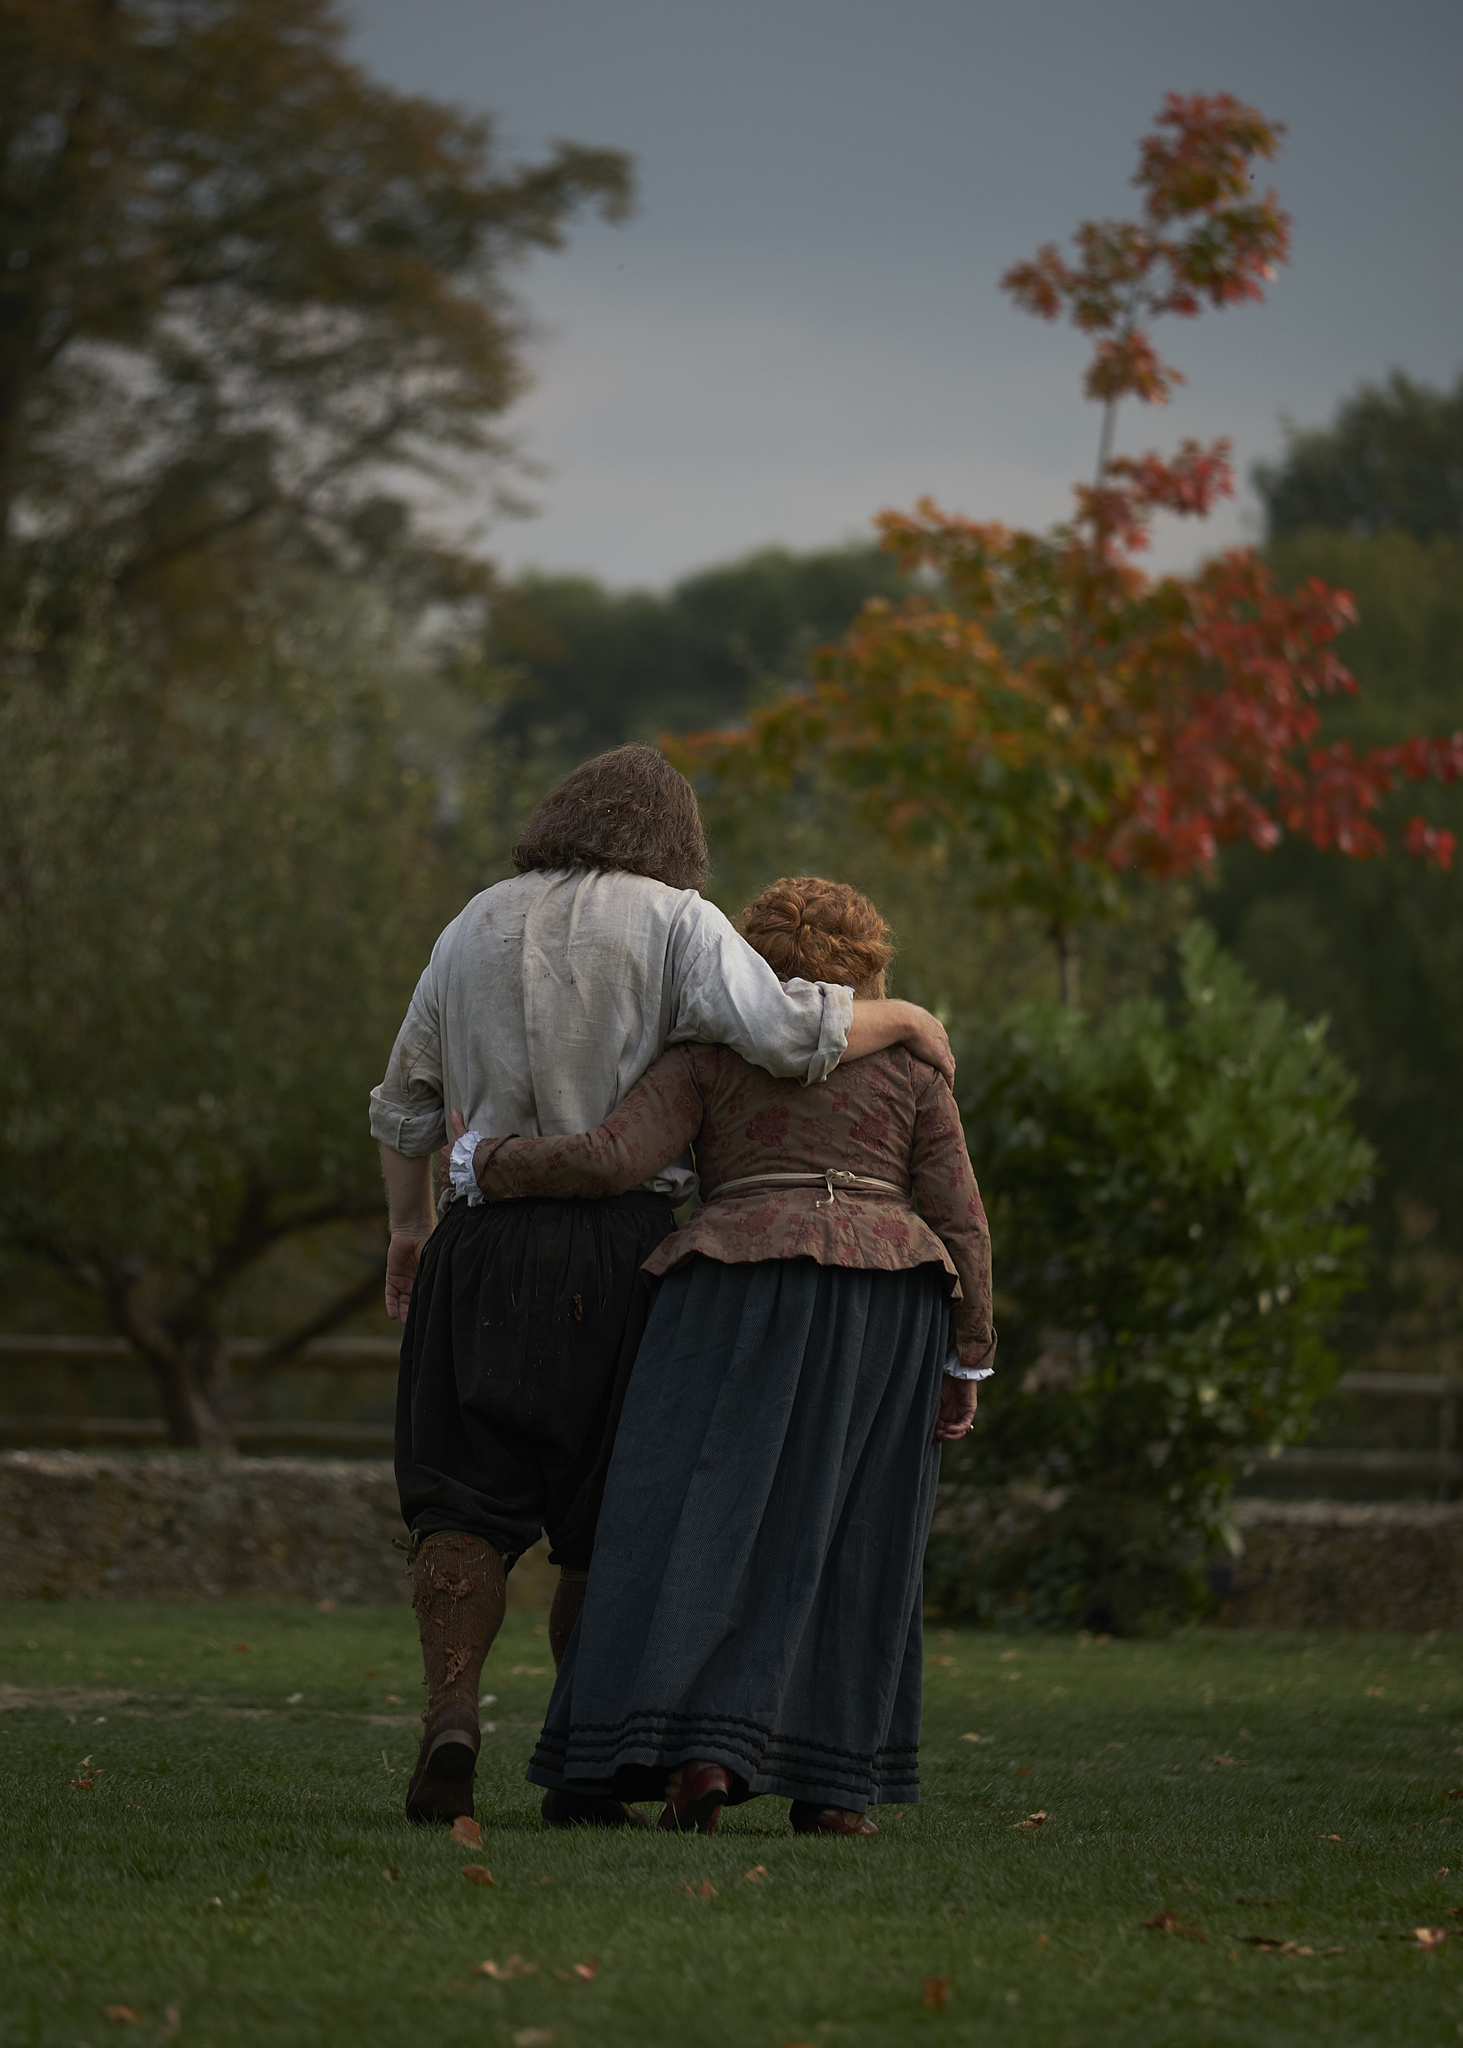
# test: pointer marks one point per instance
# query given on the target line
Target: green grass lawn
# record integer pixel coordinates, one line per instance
(241, 1858)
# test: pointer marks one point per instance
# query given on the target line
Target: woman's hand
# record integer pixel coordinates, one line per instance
(957, 1410)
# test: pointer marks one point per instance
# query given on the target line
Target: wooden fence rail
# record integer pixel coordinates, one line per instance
(1439, 1468)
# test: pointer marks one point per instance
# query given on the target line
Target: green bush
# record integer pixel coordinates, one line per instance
(1173, 1207)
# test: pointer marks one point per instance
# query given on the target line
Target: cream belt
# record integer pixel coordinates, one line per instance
(833, 1179)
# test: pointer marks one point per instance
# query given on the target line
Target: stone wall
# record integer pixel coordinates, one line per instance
(125, 1527)
(1344, 1564)
(75, 1525)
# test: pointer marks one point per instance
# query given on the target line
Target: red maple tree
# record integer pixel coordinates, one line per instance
(1081, 719)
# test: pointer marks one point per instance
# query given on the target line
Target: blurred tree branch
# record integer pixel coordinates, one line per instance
(245, 286)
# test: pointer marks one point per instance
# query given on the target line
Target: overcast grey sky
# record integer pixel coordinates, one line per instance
(803, 323)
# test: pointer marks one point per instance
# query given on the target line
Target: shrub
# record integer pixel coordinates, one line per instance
(1173, 1206)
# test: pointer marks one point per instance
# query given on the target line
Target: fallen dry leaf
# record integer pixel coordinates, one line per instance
(1444, 1872)
(529, 1670)
(1374, 1692)
(1023, 1770)
(122, 2012)
(533, 2037)
(706, 1890)
(977, 1738)
(477, 1873)
(935, 1993)
(325, 1606)
(502, 1972)
(466, 1830)
(1226, 1759)
(1330, 1838)
(587, 1972)
(243, 1648)
(1033, 1820)
(1170, 1922)
(1042, 1942)
(82, 1785)
(1454, 1792)
(390, 1872)
(1430, 1937)
(393, 1699)
(174, 2020)
(755, 1875)
(1268, 1945)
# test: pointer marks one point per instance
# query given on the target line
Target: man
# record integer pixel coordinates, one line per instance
(544, 1002)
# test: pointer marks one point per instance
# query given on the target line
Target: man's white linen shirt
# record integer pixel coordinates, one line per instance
(549, 995)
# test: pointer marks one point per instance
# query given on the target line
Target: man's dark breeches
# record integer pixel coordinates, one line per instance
(525, 1320)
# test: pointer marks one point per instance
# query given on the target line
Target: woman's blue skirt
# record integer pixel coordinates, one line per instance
(755, 1593)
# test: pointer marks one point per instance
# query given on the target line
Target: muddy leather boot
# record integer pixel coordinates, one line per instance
(458, 1586)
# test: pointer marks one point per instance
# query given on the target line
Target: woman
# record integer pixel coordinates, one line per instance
(753, 1617)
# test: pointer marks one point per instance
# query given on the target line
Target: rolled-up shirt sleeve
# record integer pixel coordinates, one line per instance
(407, 1110)
(728, 995)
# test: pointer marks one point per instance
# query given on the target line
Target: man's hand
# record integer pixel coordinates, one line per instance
(929, 1041)
(957, 1410)
(412, 1220)
(402, 1256)
(890, 1022)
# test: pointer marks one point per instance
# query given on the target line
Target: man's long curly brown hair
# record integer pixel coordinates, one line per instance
(627, 810)
(807, 928)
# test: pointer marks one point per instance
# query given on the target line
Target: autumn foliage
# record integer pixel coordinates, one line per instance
(1078, 718)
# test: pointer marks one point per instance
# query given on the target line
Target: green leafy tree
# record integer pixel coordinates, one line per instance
(1392, 460)
(250, 298)
(582, 668)
(1377, 947)
(213, 904)
(1173, 1209)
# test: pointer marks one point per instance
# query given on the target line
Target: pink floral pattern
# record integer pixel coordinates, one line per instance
(888, 1117)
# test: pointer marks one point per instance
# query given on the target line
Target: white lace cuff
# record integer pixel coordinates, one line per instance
(459, 1168)
(954, 1370)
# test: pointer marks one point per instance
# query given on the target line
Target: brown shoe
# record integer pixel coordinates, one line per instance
(695, 1795)
(589, 1809)
(808, 1819)
(441, 1784)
